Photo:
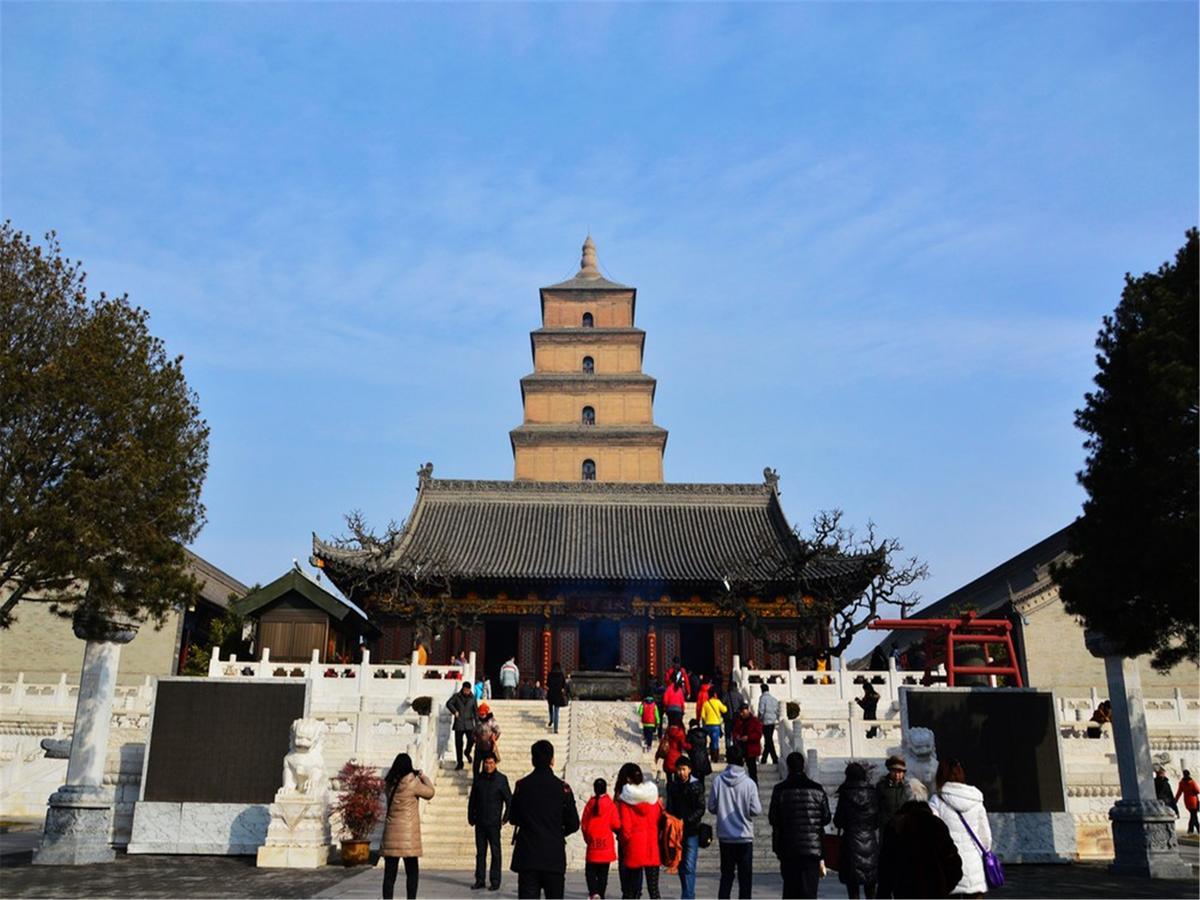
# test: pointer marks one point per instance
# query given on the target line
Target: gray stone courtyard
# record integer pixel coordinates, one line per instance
(237, 876)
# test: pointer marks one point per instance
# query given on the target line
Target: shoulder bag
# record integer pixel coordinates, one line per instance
(993, 872)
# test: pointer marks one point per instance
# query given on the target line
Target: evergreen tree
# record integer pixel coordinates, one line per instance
(102, 448)
(1133, 571)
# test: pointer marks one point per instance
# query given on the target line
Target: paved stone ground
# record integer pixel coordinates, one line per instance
(1071, 881)
(223, 876)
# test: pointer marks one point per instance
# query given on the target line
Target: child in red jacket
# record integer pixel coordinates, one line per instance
(641, 812)
(600, 820)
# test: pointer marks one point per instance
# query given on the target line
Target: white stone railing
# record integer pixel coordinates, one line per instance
(369, 719)
(815, 686)
(1160, 711)
(390, 680)
(18, 698)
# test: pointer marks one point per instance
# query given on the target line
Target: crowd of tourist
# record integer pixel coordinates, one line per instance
(891, 837)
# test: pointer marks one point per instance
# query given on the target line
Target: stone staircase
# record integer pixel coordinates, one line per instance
(594, 740)
(764, 859)
(448, 841)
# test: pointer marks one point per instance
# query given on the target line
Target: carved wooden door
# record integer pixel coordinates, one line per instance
(568, 646)
(668, 646)
(529, 643)
(723, 648)
(631, 649)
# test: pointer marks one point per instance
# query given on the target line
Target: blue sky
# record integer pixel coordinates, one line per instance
(872, 242)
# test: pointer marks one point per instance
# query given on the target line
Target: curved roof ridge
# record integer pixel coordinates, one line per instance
(597, 488)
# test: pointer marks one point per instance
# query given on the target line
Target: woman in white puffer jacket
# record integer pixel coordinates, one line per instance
(957, 802)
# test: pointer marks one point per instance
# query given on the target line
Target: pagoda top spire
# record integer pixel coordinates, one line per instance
(587, 264)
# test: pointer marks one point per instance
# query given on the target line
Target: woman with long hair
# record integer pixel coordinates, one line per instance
(556, 693)
(960, 806)
(406, 788)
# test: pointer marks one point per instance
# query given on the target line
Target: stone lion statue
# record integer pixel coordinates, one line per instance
(304, 766)
(920, 755)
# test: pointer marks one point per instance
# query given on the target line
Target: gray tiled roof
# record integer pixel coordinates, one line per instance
(579, 283)
(215, 585)
(519, 531)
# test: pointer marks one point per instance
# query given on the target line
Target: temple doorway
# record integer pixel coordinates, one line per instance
(696, 647)
(599, 645)
(499, 645)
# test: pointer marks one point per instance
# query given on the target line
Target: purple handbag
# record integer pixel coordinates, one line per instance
(993, 872)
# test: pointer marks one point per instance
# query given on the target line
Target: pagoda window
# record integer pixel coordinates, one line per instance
(589, 470)
(587, 320)
(589, 416)
(589, 366)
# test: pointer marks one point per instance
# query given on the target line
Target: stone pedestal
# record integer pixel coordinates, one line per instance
(1144, 841)
(79, 820)
(1143, 828)
(298, 836)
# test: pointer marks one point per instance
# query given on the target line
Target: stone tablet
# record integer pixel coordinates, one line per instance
(1006, 739)
(218, 741)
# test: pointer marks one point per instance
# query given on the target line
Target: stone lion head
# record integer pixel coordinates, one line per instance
(306, 734)
(920, 741)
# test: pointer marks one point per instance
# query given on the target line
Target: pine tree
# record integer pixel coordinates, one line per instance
(1133, 571)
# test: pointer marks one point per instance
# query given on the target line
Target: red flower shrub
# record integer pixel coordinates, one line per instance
(358, 801)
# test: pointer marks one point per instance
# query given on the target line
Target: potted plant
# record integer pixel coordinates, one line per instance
(360, 808)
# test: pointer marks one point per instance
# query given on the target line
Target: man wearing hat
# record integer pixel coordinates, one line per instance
(891, 790)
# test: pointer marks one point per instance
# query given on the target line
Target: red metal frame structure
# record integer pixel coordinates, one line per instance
(967, 629)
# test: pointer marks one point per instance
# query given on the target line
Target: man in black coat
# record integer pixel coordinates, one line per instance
(798, 815)
(918, 857)
(463, 707)
(543, 811)
(685, 800)
(487, 809)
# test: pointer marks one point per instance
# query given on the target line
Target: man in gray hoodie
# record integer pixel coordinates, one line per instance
(735, 801)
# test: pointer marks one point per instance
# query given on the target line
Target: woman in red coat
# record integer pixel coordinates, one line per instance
(1191, 800)
(640, 812)
(677, 746)
(747, 733)
(600, 822)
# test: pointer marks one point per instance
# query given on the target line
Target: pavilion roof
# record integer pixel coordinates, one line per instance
(520, 531)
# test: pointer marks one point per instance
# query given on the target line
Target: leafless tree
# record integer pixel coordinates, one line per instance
(890, 586)
(833, 574)
(416, 585)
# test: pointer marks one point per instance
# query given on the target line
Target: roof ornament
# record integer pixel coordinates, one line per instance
(424, 474)
(588, 267)
(771, 479)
